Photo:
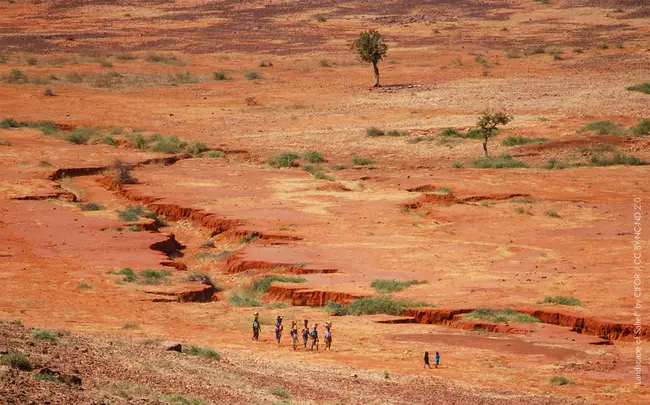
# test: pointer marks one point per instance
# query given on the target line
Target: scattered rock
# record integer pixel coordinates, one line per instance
(172, 346)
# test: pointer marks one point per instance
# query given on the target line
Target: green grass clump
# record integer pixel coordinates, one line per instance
(182, 400)
(16, 76)
(169, 59)
(380, 305)
(391, 286)
(334, 308)
(616, 159)
(642, 127)
(262, 285)
(442, 190)
(279, 392)
(337, 166)
(16, 360)
(373, 131)
(504, 161)
(559, 380)
(195, 148)
(312, 156)
(248, 238)
(129, 275)
(252, 75)
(282, 159)
(471, 134)
(202, 352)
(170, 144)
(153, 277)
(603, 128)
(245, 299)
(215, 154)
(520, 140)
(322, 176)
(312, 169)
(45, 335)
(130, 325)
(552, 214)
(133, 213)
(137, 141)
(83, 286)
(555, 164)
(361, 161)
(218, 76)
(506, 315)
(561, 300)
(182, 78)
(642, 88)
(47, 377)
(91, 206)
(81, 135)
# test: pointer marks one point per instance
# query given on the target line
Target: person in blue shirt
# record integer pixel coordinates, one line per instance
(437, 359)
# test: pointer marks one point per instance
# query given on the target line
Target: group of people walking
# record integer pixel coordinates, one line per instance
(306, 333)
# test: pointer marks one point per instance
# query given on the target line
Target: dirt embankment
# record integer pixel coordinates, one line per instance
(308, 297)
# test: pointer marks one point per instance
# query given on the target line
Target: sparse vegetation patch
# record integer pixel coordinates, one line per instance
(391, 286)
(561, 300)
(506, 315)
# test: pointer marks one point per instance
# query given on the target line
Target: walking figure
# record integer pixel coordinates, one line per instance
(426, 360)
(305, 334)
(328, 336)
(314, 336)
(278, 329)
(256, 326)
(437, 359)
(294, 334)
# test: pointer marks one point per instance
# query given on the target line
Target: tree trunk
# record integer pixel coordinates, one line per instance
(374, 66)
(485, 147)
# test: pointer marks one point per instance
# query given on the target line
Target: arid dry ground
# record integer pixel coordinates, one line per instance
(480, 238)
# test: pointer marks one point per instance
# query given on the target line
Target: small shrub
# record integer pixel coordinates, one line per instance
(153, 58)
(251, 101)
(312, 156)
(321, 18)
(83, 286)
(442, 190)
(218, 76)
(642, 88)
(49, 93)
(578, 50)
(520, 140)
(262, 285)
(137, 141)
(131, 213)
(125, 57)
(170, 144)
(502, 162)
(536, 50)
(279, 392)
(522, 201)
(311, 169)
(183, 78)
(202, 352)
(380, 305)
(282, 159)
(243, 300)
(642, 127)
(555, 164)
(552, 214)
(124, 174)
(337, 166)
(519, 210)
(153, 277)
(32, 61)
(506, 315)
(324, 63)
(561, 300)
(195, 148)
(616, 159)
(130, 325)
(16, 76)
(372, 131)
(418, 139)
(361, 161)
(252, 75)
(81, 135)
(91, 207)
(5, 143)
(322, 176)
(391, 286)
(16, 360)
(47, 377)
(129, 275)
(603, 46)
(45, 335)
(603, 128)
(74, 77)
(456, 164)
(215, 154)
(559, 380)
(334, 308)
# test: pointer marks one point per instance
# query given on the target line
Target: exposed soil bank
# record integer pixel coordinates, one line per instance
(304, 296)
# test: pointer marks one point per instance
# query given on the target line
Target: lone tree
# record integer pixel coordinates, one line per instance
(123, 173)
(487, 125)
(371, 48)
